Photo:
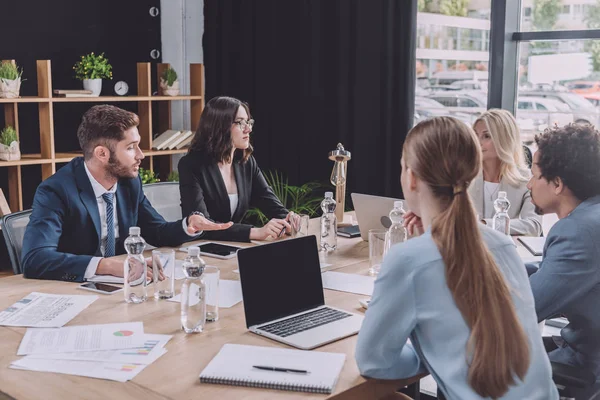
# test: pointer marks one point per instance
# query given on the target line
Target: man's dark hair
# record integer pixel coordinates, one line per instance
(571, 153)
(213, 137)
(104, 125)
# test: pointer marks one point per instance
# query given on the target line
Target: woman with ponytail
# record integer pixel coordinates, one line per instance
(459, 291)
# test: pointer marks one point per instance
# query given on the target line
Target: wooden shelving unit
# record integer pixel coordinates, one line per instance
(48, 158)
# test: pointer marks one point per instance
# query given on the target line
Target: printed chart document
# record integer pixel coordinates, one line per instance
(348, 282)
(121, 372)
(241, 365)
(230, 293)
(41, 310)
(127, 335)
(147, 354)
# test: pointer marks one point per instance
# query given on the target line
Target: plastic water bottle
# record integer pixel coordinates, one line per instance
(501, 221)
(397, 233)
(328, 224)
(134, 268)
(193, 293)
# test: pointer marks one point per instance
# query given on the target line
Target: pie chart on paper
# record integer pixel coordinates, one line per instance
(123, 333)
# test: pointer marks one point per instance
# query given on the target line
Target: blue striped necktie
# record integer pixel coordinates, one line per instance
(109, 248)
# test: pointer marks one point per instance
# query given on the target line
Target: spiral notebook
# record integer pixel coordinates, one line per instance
(274, 368)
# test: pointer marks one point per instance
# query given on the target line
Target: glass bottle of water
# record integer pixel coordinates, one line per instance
(134, 272)
(397, 233)
(193, 293)
(501, 221)
(328, 224)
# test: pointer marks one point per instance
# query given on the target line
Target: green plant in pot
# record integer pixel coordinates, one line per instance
(169, 83)
(10, 80)
(91, 69)
(148, 176)
(304, 199)
(9, 144)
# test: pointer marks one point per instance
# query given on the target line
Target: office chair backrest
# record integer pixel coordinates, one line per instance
(165, 198)
(13, 229)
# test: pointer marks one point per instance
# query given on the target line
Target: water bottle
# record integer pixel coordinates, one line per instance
(328, 224)
(501, 221)
(134, 272)
(193, 293)
(397, 233)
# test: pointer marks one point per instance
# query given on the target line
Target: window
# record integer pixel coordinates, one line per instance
(541, 107)
(553, 15)
(466, 103)
(566, 9)
(525, 105)
(527, 12)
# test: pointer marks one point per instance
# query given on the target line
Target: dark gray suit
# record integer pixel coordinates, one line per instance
(568, 283)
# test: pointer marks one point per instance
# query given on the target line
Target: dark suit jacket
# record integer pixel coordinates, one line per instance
(203, 189)
(568, 281)
(63, 233)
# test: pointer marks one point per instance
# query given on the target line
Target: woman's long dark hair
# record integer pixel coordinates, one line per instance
(213, 136)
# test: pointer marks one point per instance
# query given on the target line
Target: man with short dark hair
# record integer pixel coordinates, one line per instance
(82, 214)
(566, 181)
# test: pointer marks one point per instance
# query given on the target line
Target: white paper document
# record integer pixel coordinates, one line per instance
(125, 335)
(342, 282)
(150, 352)
(230, 293)
(121, 372)
(41, 310)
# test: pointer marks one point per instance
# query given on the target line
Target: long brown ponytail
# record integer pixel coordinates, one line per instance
(444, 153)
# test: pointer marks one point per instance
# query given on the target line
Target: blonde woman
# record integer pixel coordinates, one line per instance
(503, 170)
(458, 291)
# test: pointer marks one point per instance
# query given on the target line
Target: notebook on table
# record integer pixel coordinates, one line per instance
(535, 245)
(274, 368)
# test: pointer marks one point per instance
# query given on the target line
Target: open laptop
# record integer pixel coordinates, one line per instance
(372, 212)
(283, 295)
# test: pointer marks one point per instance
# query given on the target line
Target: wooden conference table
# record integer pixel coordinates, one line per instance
(175, 374)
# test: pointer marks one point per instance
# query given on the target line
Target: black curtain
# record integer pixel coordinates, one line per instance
(316, 73)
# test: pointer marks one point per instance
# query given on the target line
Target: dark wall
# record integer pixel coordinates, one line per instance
(62, 31)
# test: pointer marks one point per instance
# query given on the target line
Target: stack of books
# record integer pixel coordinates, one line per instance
(73, 93)
(172, 139)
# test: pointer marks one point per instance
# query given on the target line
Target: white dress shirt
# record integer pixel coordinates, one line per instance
(99, 190)
(233, 202)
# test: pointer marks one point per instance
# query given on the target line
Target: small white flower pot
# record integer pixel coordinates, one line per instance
(9, 89)
(10, 153)
(95, 85)
(172, 90)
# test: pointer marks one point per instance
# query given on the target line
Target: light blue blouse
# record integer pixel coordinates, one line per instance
(411, 299)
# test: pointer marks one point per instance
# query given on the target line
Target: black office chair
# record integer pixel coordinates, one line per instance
(528, 156)
(13, 229)
(568, 379)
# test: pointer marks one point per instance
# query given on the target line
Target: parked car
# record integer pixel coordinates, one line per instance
(583, 111)
(582, 87)
(593, 98)
(470, 85)
(426, 107)
(543, 112)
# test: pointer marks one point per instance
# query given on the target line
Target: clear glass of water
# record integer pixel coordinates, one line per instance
(163, 273)
(299, 223)
(376, 249)
(211, 278)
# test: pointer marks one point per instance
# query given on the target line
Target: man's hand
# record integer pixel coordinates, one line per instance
(197, 223)
(116, 267)
(273, 228)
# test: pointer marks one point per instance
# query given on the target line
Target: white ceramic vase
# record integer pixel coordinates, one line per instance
(10, 153)
(167, 90)
(95, 85)
(9, 89)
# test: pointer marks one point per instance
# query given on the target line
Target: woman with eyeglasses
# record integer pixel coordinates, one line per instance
(459, 290)
(220, 178)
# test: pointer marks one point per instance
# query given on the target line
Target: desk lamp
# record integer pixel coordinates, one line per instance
(338, 179)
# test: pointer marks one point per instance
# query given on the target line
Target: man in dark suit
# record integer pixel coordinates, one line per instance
(82, 214)
(566, 181)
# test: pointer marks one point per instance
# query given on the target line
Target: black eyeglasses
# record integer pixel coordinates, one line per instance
(243, 123)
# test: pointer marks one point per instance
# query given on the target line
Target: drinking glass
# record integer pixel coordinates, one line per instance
(376, 249)
(163, 262)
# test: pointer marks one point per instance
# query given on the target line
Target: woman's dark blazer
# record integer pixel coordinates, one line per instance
(202, 189)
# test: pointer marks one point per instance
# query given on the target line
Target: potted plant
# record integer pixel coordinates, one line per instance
(91, 69)
(148, 176)
(169, 83)
(10, 80)
(9, 145)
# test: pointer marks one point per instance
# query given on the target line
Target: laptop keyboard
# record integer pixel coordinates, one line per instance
(305, 322)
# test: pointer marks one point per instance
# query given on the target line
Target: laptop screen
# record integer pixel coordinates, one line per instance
(280, 279)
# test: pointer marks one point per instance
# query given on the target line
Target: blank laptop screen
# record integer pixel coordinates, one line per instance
(280, 279)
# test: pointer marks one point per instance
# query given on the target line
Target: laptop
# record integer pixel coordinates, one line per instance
(283, 295)
(372, 212)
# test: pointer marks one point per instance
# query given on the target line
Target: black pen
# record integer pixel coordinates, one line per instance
(278, 369)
